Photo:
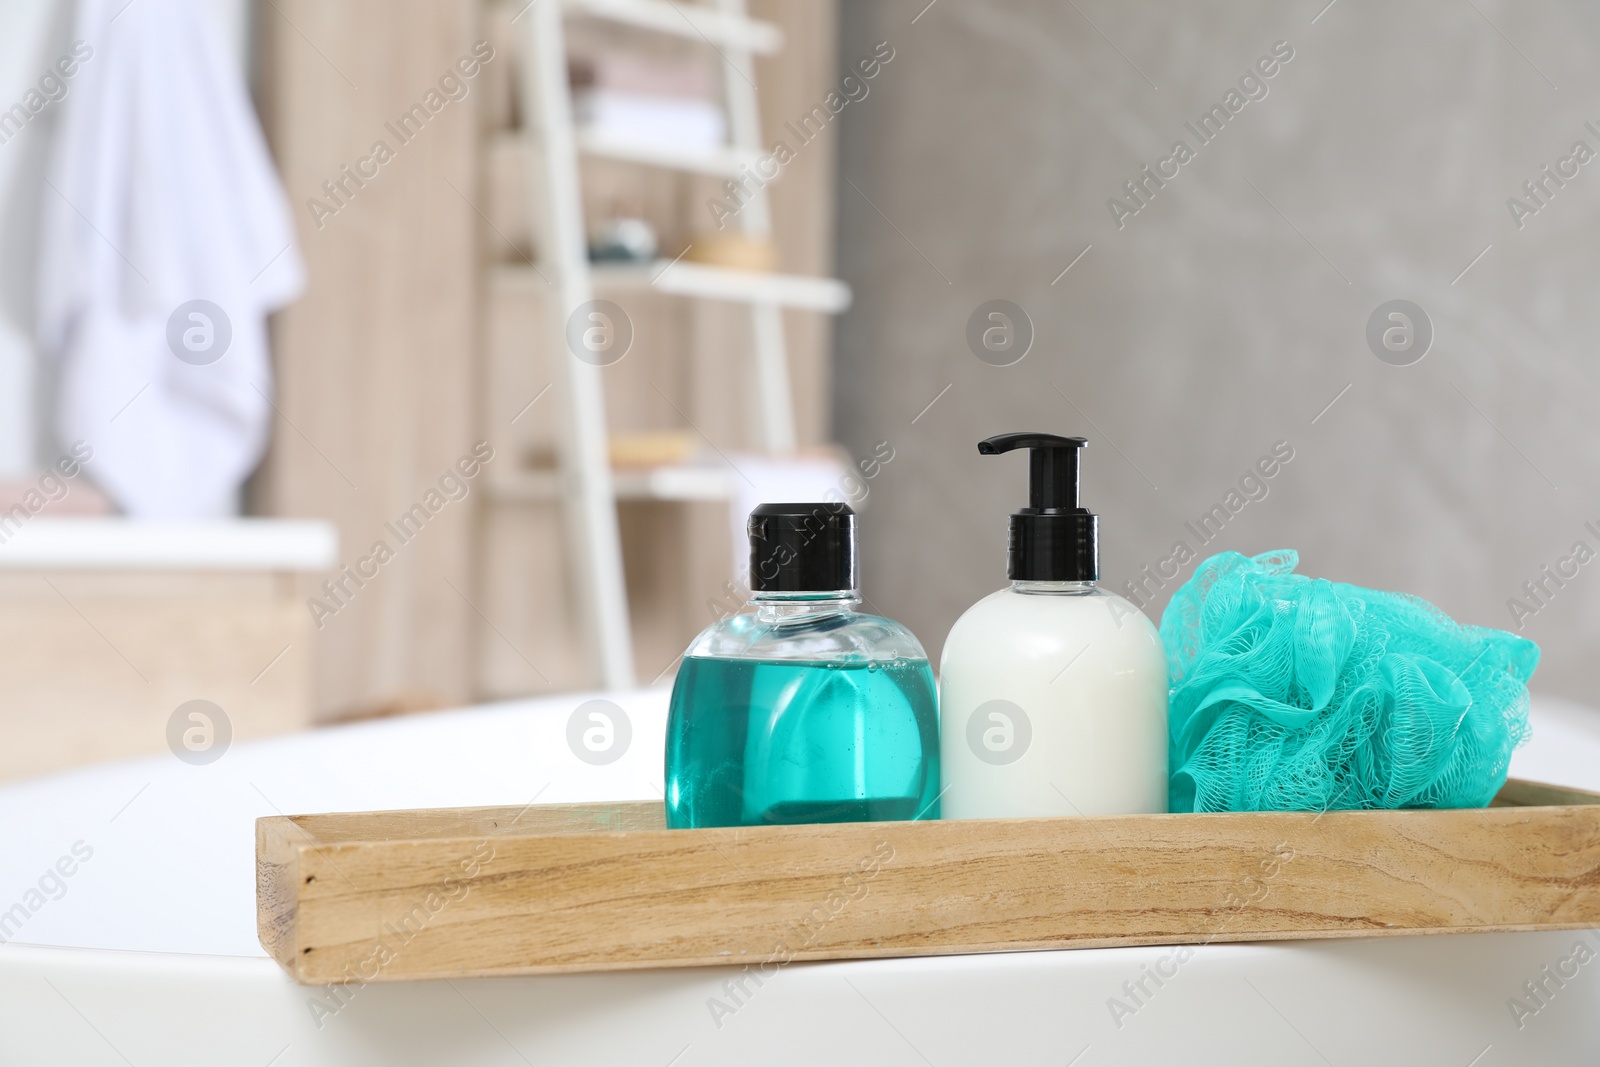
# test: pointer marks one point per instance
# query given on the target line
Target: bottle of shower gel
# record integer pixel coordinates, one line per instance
(802, 709)
(1053, 692)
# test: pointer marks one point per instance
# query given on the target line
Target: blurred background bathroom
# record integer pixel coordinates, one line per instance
(375, 357)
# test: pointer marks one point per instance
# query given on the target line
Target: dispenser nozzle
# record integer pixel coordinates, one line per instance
(1053, 538)
(1052, 466)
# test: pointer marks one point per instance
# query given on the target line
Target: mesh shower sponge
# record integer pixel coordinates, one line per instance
(1299, 694)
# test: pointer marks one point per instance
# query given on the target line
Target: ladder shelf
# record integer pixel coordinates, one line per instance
(586, 486)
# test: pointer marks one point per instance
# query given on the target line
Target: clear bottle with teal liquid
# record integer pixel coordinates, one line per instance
(802, 709)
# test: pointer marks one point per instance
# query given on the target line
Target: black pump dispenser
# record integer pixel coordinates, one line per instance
(1052, 539)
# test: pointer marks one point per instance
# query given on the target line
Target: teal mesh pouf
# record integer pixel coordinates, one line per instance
(1292, 693)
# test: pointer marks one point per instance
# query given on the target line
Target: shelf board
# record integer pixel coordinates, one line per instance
(717, 162)
(696, 22)
(678, 482)
(697, 280)
(512, 147)
(722, 283)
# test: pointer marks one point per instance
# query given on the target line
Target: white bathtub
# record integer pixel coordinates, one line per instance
(146, 952)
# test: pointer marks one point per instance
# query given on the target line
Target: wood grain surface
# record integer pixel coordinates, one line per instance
(386, 896)
(376, 364)
(95, 661)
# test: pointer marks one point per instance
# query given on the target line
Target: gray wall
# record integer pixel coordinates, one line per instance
(1230, 311)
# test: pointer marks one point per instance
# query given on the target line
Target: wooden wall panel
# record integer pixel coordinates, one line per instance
(376, 363)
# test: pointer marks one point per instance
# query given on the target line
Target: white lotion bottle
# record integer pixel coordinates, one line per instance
(1053, 692)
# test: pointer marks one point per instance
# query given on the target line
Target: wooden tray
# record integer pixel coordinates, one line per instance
(384, 896)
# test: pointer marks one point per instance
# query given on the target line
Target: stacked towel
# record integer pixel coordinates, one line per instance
(659, 100)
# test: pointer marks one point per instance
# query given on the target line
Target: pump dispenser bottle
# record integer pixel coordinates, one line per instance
(1053, 692)
(802, 709)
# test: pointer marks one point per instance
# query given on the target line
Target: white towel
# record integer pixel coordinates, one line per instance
(162, 193)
